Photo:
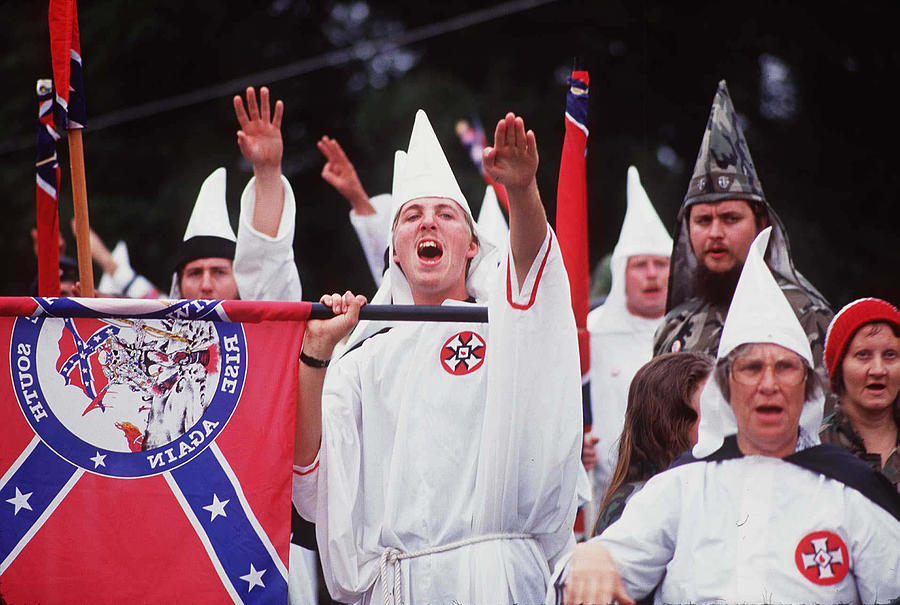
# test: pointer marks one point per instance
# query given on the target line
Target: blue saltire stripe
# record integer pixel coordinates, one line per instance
(233, 537)
(43, 474)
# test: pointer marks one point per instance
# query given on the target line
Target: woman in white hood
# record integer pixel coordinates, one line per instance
(760, 512)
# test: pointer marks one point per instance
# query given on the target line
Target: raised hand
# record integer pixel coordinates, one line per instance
(260, 135)
(513, 160)
(340, 174)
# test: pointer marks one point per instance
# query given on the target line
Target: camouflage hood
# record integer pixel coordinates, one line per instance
(725, 171)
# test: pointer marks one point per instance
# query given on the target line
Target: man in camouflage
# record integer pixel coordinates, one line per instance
(722, 212)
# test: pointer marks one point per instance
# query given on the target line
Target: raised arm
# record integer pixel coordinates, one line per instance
(340, 174)
(318, 345)
(513, 162)
(260, 141)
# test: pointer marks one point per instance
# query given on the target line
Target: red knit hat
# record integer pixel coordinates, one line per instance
(845, 324)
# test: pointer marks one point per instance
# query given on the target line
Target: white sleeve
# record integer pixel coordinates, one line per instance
(874, 544)
(264, 266)
(304, 489)
(373, 231)
(642, 541)
(127, 283)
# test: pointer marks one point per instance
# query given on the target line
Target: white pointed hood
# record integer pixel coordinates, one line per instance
(423, 171)
(208, 232)
(759, 313)
(491, 222)
(642, 233)
(210, 215)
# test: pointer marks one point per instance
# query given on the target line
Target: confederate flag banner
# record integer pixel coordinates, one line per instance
(146, 450)
(572, 219)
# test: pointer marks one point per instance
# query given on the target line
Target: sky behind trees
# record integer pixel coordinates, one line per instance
(813, 85)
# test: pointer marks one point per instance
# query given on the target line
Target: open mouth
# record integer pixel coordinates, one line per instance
(717, 252)
(769, 411)
(876, 388)
(429, 250)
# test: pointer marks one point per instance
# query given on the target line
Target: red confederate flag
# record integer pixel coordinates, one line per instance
(65, 54)
(176, 487)
(571, 219)
(46, 193)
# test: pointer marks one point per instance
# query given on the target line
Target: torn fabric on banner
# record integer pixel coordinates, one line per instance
(146, 450)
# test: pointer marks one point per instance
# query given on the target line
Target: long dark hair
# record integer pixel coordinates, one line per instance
(658, 418)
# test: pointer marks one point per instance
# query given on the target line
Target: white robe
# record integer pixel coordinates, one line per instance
(373, 231)
(415, 457)
(734, 531)
(618, 350)
(264, 266)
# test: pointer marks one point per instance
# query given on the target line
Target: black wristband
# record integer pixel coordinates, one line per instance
(313, 362)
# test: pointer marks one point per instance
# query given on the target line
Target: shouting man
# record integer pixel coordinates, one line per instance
(439, 461)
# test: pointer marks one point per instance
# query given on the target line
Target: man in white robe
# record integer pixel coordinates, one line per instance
(622, 328)
(449, 451)
(760, 512)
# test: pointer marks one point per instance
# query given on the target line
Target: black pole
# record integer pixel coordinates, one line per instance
(409, 313)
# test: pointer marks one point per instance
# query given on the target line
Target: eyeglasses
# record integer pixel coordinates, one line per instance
(750, 371)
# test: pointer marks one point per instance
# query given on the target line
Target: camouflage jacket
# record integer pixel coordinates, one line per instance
(696, 325)
(613, 509)
(837, 430)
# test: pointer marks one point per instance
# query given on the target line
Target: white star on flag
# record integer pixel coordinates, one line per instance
(254, 578)
(217, 509)
(20, 501)
(99, 460)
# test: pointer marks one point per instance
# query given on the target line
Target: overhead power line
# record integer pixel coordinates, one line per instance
(360, 51)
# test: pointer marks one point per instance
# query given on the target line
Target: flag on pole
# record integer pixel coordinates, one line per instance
(147, 450)
(571, 219)
(68, 79)
(47, 193)
(65, 55)
(474, 139)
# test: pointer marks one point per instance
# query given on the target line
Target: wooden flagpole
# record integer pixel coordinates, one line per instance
(82, 224)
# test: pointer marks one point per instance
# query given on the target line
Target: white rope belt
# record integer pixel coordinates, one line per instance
(391, 557)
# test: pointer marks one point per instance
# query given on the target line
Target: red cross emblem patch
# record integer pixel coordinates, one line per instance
(822, 558)
(463, 353)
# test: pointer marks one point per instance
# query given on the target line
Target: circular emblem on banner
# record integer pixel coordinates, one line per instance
(463, 353)
(822, 558)
(127, 398)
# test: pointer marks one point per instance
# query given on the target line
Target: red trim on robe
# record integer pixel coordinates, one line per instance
(537, 281)
(306, 472)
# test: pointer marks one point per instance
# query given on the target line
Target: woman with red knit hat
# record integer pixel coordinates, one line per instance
(861, 352)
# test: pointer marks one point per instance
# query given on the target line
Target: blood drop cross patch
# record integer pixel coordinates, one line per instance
(463, 353)
(822, 558)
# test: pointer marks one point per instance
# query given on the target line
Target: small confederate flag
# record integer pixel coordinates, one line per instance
(147, 450)
(46, 193)
(65, 54)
